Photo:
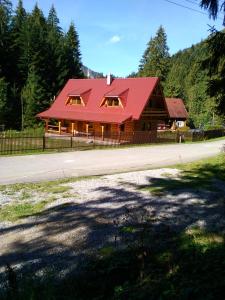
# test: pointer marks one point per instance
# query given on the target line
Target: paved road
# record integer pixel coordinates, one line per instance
(32, 168)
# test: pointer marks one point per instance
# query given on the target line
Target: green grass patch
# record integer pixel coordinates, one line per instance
(200, 175)
(15, 211)
(54, 186)
(201, 239)
(55, 189)
(24, 195)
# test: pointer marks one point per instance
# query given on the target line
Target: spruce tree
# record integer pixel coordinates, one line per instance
(17, 44)
(36, 59)
(32, 98)
(34, 52)
(17, 78)
(155, 60)
(214, 65)
(53, 20)
(5, 20)
(57, 68)
(73, 53)
(3, 101)
(144, 58)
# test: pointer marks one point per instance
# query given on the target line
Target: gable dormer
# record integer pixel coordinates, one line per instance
(78, 97)
(115, 98)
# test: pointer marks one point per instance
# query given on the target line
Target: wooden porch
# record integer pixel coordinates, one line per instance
(129, 132)
(84, 129)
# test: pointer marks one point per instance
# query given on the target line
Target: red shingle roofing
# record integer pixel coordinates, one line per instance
(79, 92)
(115, 92)
(176, 108)
(138, 91)
(87, 116)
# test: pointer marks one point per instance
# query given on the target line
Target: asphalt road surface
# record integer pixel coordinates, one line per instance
(31, 168)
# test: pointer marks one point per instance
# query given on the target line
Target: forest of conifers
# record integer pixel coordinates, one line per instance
(37, 58)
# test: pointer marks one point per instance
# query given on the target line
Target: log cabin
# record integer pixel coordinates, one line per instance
(108, 107)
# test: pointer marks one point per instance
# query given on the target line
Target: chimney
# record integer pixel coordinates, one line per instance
(109, 79)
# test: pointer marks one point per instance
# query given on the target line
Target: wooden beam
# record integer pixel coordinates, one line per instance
(102, 129)
(87, 127)
(72, 129)
(46, 125)
(60, 125)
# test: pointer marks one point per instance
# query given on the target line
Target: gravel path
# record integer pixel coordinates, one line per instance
(89, 216)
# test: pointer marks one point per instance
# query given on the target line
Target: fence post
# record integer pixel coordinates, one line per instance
(43, 143)
(71, 142)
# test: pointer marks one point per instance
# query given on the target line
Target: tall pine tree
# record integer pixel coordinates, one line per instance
(3, 101)
(32, 98)
(17, 44)
(73, 53)
(35, 55)
(57, 68)
(155, 60)
(5, 37)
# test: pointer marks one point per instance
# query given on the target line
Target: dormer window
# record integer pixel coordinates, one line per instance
(112, 101)
(115, 98)
(75, 100)
(78, 97)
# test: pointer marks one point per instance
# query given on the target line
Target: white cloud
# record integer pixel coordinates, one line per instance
(115, 39)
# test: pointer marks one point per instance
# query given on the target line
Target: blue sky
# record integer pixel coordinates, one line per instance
(114, 33)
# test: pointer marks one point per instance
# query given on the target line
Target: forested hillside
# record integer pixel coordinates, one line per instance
(195, 74)
(36, 59)
(188, 79)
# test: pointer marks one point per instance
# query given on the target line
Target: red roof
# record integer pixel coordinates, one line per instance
(176, 108)
(135, 93)
(115, 92)
(79, 92)
(87, 116)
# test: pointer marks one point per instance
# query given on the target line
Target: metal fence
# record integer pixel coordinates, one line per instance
(21, 143)
(188, 136)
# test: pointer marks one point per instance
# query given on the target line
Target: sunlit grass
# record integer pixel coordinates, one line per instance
(200, 175)
(15, 211)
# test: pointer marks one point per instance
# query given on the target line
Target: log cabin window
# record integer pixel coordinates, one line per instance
(74, 100)
(111, 102)
(156, 103)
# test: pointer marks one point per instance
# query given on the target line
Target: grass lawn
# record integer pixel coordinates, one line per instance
(203, 174)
